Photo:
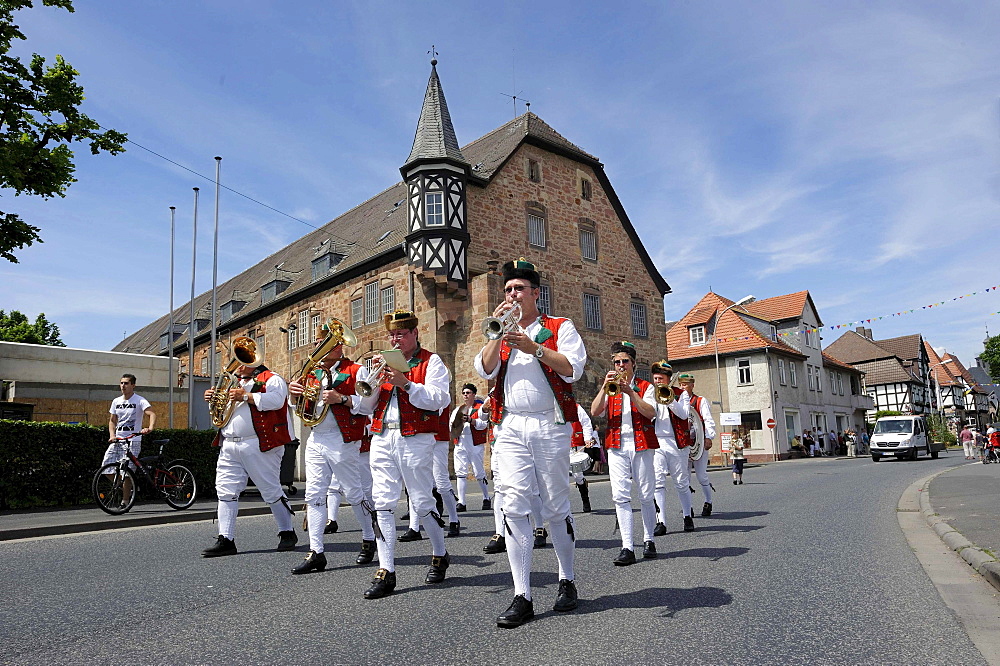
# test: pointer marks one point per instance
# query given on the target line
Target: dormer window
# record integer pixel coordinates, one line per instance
(165, 338)
(434, 209)
(696, 334)
(200, 324)
(271, 290)
(325, 264)
(774, 332)
(229, 309)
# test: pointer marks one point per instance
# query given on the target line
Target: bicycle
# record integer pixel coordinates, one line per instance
(115, 488)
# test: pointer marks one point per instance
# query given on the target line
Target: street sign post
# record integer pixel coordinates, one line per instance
(770, 424)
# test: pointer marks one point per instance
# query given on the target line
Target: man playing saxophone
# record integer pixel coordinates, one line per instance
(332, 446)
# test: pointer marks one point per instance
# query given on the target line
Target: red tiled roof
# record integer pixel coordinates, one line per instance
(734, 332)
(777, 308)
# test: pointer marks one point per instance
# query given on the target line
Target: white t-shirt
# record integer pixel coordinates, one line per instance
(129, 413)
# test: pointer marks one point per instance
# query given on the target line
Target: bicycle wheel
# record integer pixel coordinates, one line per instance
(178, 485)
(114, 488)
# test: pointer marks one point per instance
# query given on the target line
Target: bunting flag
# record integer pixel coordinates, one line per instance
(864, 321)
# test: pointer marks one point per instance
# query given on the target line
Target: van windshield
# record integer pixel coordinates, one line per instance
(894, 427)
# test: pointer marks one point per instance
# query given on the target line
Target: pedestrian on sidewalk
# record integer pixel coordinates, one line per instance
(740, 440)
(850, 438)
(968, 439)
(809, 443)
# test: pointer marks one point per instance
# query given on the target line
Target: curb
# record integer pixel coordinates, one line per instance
(985, 564)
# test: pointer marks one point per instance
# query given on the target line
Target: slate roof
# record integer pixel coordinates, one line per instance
(885, 371)
(435, 137)
(734, 332)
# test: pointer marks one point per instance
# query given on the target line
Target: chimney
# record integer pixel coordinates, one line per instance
(864, 332)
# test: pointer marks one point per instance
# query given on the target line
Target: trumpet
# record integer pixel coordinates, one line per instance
(664, 394)
(365, 389)
(614, 387)
(220, 407)
(308, 406)
(495, 328)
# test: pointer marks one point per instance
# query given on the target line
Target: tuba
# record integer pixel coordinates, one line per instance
(220, 407)
(495, 328)
(697, 430)
(309, 406)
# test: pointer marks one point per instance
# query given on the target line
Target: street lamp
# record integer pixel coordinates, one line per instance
(715, 335)
(937, 388)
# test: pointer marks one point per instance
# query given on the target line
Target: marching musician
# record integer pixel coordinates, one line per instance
(334, 494)
(468, 431)
(532, 407)
(405, 410)
(672, 458)
(331, 456)
(700, 408)
(630, 443)
(252, 445)
(442, 480)
(583, 436)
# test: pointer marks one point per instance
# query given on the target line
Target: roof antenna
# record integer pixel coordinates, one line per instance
(513, 76)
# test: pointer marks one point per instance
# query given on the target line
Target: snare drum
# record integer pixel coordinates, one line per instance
(579, 462)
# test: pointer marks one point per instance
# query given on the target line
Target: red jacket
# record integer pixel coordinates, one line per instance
(643, 430)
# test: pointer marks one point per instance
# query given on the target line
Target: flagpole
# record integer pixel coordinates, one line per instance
(170, 327)
(192, 326)
(215, 270)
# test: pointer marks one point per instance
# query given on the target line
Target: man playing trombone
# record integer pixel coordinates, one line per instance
(405, 407)
(332, 447)
(535, 361)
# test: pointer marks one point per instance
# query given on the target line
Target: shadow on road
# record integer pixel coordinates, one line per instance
(734, 515)
(713, 554)
(729, 528)
(670, 599)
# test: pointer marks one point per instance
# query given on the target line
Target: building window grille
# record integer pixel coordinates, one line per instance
(793, 374)
(260, 345)
(314, 329)
(545, 299)
(388, 300)
(434, 209)
(642, 373)
(588, 244)
(292, 338)
(586, 191)
(357, 313)
(592, 311)
(812, 377)
(303, 327)
(638, 313)
(371, 303)
(743, 371)
(536, 230)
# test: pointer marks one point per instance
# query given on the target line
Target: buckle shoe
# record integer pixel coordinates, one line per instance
(487, 505)
(688, 524)
(453, 529)
(222, 547)
(649, 550)
(410, 535)
(287, 540)
(439, 564)
(331, 527)
(367, 553)
(706, 510)
(660, 530)
(520, 611)
(497, 544)
(625, 558)
(383, 584)
(566, 599)
(313, 562)
(460, 508)
(540, 534)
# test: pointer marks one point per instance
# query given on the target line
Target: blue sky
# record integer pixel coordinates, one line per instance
(850, 148)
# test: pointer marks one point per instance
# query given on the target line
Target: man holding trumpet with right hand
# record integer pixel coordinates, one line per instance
(534, 362)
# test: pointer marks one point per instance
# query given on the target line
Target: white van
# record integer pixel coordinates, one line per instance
(903, 437)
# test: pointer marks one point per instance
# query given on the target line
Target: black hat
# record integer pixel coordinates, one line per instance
(521, 269)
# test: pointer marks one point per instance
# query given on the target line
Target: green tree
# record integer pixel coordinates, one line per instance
(991, 356)
(39, 118)
(16, 328)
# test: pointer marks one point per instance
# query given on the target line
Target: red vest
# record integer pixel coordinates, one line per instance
(577, 439)
(271, 426)
(412, 419)
(478, 436)
(366, 438)
(352, 426)
(562, 389)
(643, 430)
(443, 433)
(682, 429)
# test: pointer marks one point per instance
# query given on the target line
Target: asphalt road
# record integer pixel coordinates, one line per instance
(804, 564)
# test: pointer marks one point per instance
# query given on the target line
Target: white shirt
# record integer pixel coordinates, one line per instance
(705, 411)
(129, 413)
(329, 424)
(526, 390)
(680, 406)
(585, 423)
(433, 395)
(275, 397)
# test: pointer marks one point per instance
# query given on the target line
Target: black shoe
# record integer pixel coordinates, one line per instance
(497, 544)
(487, 505)
(367, 553)
(660, 530)
(405, 517)
(453, 529)
(649, 550)
(734, 482)
(688, 524)
(313, 562)
(584, 496)
(625, 558)
(460, 508)
(287, 540)
(410, 535)
(521, 610)
(331, 527)
(706, 510)
(741, 482)
(383, 584)
(566, 598)
(540, 534)
(439, 564)
(222, 547)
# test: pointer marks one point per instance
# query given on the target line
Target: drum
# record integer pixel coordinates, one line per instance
(579, 462)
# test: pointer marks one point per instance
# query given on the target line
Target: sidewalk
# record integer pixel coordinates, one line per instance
(35, 523)
(963, 506)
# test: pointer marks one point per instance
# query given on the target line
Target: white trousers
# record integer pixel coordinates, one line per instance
(396, 460)
(701, 471)
(334, 495)
(468, 457)
(670, 461)
(238, 462)
(970, 448)
(330, 460)
(624, 467)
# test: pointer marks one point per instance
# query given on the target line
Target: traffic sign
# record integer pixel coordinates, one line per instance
(770, 424)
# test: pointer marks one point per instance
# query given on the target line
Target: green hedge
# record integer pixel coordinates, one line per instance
(46, 464)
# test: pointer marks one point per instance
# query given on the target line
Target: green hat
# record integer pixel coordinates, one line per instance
(662, 367)
(685, 377)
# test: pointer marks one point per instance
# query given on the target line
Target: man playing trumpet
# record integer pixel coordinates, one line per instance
(532, 406)
(405, 409)
(332, 449)
(672, 458)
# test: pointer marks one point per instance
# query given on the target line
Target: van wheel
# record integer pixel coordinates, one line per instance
(933, 454)
(914, 454)
(876, 457)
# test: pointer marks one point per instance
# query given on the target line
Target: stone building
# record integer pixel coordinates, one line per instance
(433, 243)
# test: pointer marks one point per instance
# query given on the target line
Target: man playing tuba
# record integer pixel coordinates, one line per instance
(700, 409)
(332, 447)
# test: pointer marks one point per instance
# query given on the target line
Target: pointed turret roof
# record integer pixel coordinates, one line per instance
(435, 137)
